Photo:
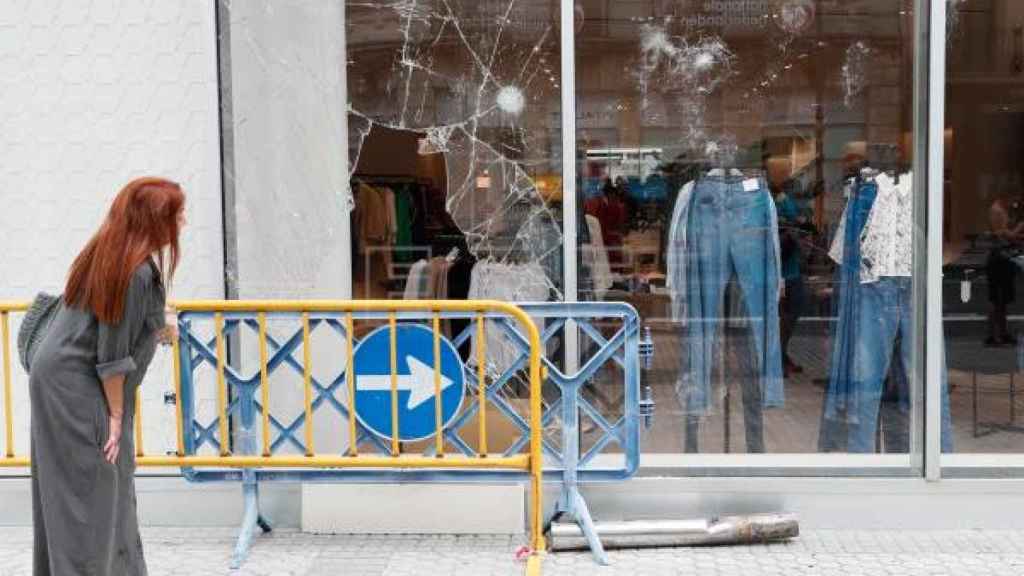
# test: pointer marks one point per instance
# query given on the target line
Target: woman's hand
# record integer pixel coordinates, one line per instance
(168, 334)
(113, 444)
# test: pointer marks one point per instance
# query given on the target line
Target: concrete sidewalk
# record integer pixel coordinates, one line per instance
(196, 552)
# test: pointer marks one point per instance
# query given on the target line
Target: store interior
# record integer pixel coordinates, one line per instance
(456, 174)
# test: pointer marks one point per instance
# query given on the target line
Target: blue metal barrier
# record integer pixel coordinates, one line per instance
(610, 365)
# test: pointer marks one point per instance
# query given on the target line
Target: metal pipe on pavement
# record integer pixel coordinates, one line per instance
(754, 529)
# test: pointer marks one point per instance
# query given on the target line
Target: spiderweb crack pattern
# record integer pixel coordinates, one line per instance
(855, 71)
(689, 69)
(472, 79)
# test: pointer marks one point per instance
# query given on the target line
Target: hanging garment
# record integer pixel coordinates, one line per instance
(373, 224)
(874, 316)
(427, 280)
(389, 214)
(403, 225)
(509, 283)
(886, 245)
(611, 213)
(885, 320)
(847, 297)
(677, 251)
(600, 267)
(541, 239)
(675, 277)
(438, 285)
(732, 229)
(417, 281)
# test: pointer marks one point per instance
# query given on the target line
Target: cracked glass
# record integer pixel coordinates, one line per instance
(717, 142)
(454, 119)
(452, 188)
(455, 143)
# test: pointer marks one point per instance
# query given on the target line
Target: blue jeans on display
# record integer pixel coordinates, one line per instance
(885, 316)
(730, 232)
(847, 304)
(872, 319)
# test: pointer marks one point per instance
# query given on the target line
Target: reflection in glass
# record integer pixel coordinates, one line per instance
(984, 222)
(455, 148)
(744, 182)
(454, 151)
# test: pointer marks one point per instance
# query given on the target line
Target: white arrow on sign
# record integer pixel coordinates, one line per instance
(419, 381)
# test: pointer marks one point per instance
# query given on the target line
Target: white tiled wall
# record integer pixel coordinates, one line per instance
(92, 94)
(291, 177)
(289, 111)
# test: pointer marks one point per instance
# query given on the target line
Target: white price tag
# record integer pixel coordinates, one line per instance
(751, 185)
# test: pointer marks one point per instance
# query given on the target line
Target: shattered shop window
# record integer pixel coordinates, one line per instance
(744, 167)
(455, 145)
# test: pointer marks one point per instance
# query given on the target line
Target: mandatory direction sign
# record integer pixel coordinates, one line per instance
(416, 390)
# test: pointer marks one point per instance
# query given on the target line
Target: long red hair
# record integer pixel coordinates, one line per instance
(143, 220)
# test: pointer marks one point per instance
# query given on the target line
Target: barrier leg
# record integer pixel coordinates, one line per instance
(582, 515)
(571, 501)
(250, 518)
(533, 565)
(246, 440)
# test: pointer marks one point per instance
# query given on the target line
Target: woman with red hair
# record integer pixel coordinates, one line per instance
(82, 386)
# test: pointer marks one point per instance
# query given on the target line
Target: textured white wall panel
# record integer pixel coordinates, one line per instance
(92, 94)
(289, 110)
(291, 148)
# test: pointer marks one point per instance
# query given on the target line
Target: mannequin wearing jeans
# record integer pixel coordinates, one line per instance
(885, 322)
(731, 231)
(875, 315)
(847, 310)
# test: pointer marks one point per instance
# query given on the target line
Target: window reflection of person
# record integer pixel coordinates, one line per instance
(794, 230)
(609, 208)
(1007, 235)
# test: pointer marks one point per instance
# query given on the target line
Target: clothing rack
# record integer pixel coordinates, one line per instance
(744, 171)
(513, 254)
(390, 179)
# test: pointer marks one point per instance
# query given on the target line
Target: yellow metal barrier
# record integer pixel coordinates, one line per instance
(530, 462)
(5, 336)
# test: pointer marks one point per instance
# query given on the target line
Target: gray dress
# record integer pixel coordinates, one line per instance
(83, 508)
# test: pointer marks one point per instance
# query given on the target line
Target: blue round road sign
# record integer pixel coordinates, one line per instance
(416, 393)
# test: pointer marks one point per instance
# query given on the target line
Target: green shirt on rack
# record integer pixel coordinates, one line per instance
(403, 220)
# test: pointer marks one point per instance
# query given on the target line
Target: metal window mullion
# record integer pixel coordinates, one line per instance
(345, 230)
(570, 240)
(935, 340)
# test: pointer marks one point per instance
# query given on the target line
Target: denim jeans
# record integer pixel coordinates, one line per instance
(731, 231)
(885, 319)
(872, 319)
(750, 395)
(848, 300)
